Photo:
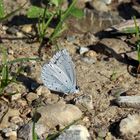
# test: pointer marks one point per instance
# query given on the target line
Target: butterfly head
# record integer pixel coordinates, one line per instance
(74, 90)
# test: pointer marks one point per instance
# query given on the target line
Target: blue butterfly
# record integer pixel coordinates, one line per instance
(59, 74)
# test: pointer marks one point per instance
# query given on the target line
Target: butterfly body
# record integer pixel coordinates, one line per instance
(59, 74)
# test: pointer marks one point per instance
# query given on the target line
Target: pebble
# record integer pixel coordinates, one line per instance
(22, 102)
(31, 97)
(12, 30)
(27, 28)
(128, 101)
(89, 60)
(43, 90)
(12, 135)
(19, 34)
(130, 125)
(70, 38)
(5, 121)
(15, 96)
(25, 132)
(106, 1)
(10, 132)
(75, 132)
(3, 108)
(109, 136)
(15, 88)
(15, 119)
(83, 50)
(91, 54)
(84, 101)
(100, 6)
(58, 114)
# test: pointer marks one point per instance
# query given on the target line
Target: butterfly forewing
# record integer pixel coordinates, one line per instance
(63, 60)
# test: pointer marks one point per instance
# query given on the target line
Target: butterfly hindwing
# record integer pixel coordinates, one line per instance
(55, 79)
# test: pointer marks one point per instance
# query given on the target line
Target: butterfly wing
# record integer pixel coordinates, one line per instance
(55, 79)
(63, 60)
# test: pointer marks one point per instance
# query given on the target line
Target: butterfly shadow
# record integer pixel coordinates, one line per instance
(29, 83)
(63, 95)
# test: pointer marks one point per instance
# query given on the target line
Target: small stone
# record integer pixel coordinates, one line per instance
(3, 108)
(83, 50)
(12, 135)
(6, 130)
(5, 121)
(108, 136)
(102, 133)
(42, 90)
(16, 96)
(4, 28)
(22, 102)
(31, 97)
(25, 132)
(15, 119)
(91, 54)
(27, 28)
(10, 51)
(13, 126)
(15, 88)
(100, 6)
(19, 34)
(12, 30)
(70, 38)
(75, 132)
(106, 1)
(89, 60)
(128, 101)
(84, 101)
(130, 125)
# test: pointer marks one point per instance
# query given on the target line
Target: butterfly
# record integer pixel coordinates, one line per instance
(59, 74)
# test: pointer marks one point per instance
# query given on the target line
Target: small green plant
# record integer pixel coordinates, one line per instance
(135, 30)
(137, 42)
(5, 77)
(113, 76)
(3, 15)
(53, 13)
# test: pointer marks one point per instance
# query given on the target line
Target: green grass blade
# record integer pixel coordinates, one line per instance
(137, 28)
(33, 132)
(63, 17)
(4, 80)
(52, 137)
(1, 9)
(22, 60)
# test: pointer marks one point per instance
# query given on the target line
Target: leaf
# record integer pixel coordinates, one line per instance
(1, 9)
(76, 12)
(37, 12)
